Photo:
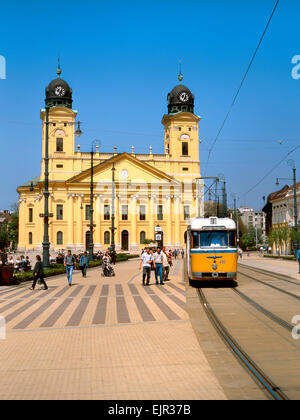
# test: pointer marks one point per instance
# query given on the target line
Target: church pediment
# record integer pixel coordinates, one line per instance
(128, 169)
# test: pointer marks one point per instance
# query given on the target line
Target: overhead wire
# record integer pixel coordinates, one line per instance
(240, 87)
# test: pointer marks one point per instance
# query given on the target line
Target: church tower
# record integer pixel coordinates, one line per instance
(58, 98)
(181, 125)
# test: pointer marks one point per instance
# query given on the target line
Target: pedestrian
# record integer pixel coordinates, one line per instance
(69, 263)
(146, 262)
(158, 260)
(166, 266)
(38, 274)
(298, 257)
(84, 263)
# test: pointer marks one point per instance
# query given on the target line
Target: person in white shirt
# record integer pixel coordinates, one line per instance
(166, 265)
(146, 261)
(158, 259)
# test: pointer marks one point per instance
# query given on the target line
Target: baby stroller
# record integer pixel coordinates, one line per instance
(108, 270)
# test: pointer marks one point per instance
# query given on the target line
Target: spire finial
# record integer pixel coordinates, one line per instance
(180, 76)
(58, 71)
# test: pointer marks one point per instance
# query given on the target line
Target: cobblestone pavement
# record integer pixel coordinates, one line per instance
(103, 338)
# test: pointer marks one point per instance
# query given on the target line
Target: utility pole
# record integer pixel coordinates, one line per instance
(113, 210)
(224, 199)
(91, 244)
(295, 211)
(46, 215)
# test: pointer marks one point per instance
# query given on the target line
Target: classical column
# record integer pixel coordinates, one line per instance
(133, 236)
(97, 237)
(177, 204)
(79, 241)
(70, 218)
(151, 215)
(168, 239)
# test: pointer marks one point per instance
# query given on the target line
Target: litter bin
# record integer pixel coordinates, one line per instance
(7, 274)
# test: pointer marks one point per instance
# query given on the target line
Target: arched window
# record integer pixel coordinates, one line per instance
(106, 238)
(59, 238)
(30, 238)
(142, 237)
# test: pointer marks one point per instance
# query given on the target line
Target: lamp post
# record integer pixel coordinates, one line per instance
(46, 215)
(294, 179)
(92, 225)
(112, 245)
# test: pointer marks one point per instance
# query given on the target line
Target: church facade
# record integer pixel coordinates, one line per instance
(152, 194)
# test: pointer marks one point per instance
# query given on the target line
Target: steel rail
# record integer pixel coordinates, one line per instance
(272, 287)
(273, 390)
(269, 273)
(265, 311)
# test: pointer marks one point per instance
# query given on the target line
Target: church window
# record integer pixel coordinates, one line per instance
(59, 212)
(185, 149)
(160, 215)
(179, 128)
(124, 212)
(142, 237)
(30, 215)
(106, 212)
(106, 238)
(59, 166)
(190, 129)
(185, 169)
(59, 238)
(30, 238)
(59, 144)
(142, 213)
(87, 212)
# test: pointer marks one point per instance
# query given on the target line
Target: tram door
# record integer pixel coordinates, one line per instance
(125, 240)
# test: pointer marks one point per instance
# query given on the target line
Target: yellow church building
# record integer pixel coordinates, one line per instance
(153, 194)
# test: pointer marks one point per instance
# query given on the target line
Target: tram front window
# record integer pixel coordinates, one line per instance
(215, 239)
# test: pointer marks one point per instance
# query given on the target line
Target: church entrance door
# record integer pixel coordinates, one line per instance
(125, 240)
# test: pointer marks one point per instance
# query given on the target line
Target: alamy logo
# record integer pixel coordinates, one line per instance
(296, 68)
(2, 328)
(2, 67)
(296, 329)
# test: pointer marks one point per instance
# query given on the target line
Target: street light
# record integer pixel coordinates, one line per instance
(112, 245)
(91, 225)
(78, 132)
(291, 163)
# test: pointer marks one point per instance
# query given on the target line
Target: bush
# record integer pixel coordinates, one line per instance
(57, 269)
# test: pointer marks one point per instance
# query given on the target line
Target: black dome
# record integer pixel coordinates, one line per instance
(180, 99)
(59, 93)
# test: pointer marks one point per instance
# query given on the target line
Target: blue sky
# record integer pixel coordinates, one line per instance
(121, 60)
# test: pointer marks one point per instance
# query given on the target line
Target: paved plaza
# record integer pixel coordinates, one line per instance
(104, 338)
(279, 266)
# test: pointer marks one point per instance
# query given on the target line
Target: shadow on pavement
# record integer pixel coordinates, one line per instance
(214, 284)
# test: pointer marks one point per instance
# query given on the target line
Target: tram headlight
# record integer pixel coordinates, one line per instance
(214, 266)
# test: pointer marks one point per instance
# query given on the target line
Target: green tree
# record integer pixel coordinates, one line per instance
(13, 226)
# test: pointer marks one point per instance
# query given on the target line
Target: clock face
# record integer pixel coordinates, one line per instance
(124, 174)
(59, 91)
(184, 97)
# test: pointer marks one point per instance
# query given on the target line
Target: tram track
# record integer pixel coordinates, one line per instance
(270, 274)
(272, 390)
(265, 311)
(279, 289)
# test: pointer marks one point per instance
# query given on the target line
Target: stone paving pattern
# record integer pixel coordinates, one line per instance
(103, 338)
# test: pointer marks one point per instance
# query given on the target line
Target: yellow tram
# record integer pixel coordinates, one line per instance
(212, 249)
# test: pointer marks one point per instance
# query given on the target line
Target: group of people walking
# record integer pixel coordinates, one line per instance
(159, 261)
